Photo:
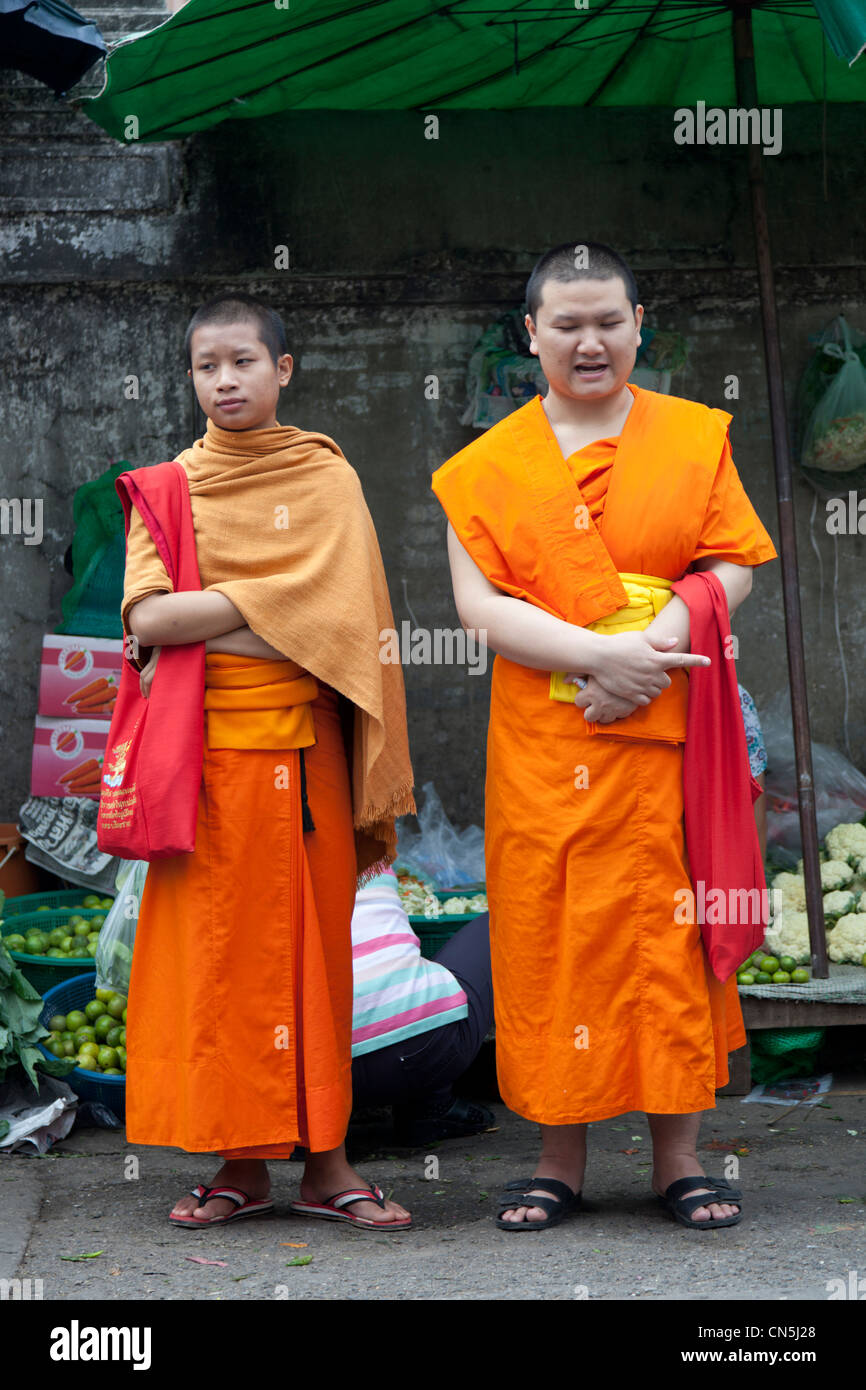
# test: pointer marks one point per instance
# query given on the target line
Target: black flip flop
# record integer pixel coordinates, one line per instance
(680, 1206)
(557, 1211)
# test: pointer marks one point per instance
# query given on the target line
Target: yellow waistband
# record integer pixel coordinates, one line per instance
(257, 704)
(647, 596)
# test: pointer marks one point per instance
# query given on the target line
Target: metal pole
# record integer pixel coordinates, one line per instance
(747, 97)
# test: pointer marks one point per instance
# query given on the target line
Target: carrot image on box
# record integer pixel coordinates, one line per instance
(304, 767)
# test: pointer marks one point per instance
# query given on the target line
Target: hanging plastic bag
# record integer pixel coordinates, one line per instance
(117, 937)
(452, 858)
(835, 435)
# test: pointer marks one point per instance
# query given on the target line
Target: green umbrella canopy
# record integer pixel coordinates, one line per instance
(217, 60)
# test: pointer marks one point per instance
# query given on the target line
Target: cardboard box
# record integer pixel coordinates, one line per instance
(71, 749)
(75, 672)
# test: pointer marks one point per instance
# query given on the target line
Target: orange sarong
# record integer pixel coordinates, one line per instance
(240, 1004)
(604, 1002)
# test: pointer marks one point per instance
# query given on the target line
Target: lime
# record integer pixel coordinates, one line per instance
(91, 901)
(88, 1049)
(106, 902)
(105, 995)
(97, 921)
(94, 1009)
(55, 1047)
(107, 1057)
(55, 937)
(122, 1038)
(91, 949)
(87, 1062)
(55, 953)
(799, 976)
(81, 929)
(43, 907)
(66, 1035)
(121, 1058)
(103, 1026)
(762, 978)
(75, 919)
(67, 943)
(14, 942)
(781, 977)
(113, 1071)
(84, 1034)
(787, 963)
(746, 977)
(112, 1037)
(75, 1020)
(68, 1047)
(757, 956)
(123, 1015)
(116, 1006)
(37, 944)
(770, 965)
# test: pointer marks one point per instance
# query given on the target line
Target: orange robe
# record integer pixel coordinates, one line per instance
(604, 1003)
(240, 1003)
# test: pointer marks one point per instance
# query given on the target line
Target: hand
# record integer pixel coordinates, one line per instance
(147, 673)
(632, 666)
(600, 705)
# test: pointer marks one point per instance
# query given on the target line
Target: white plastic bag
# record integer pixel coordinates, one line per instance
(450, 857)
(117, 937)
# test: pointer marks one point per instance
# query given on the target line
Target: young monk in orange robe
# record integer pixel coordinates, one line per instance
(240, 1006)
(594, 498)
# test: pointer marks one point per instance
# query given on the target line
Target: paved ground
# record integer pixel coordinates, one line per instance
(798, 1232)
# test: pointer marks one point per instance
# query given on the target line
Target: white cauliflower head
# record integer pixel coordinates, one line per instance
(789, 936)
(847, 842)
(838, 903)
(848, 940)
(836, 873)
(793, 890)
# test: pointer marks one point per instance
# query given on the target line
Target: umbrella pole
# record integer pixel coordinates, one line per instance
(747, 97)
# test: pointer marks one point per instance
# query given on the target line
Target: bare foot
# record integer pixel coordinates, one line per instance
(250, 1175)
(326, 1174)
(670, 1167)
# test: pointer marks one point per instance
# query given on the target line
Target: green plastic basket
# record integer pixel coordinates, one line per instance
(65, 897)
(777, 1041)
(44, 972)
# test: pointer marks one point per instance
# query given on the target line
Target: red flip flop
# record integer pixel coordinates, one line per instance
(336, 1209)
(244, 1204)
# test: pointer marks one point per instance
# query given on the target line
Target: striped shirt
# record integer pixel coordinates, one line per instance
(397, 991)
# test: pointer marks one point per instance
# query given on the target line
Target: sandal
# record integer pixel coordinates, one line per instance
(336, 1209)
(680, 1206)
(245, 1206)
(557, 1211)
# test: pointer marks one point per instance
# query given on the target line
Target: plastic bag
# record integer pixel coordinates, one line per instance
(117, 937)
(835, 435)
(840, 789)
(452, 858)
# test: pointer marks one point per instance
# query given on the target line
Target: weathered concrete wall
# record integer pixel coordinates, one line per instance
(401, 251)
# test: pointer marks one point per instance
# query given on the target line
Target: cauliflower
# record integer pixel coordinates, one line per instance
(836, 873)
(861, 903)
(793, 890)
(789, 936)
(848, 941)
(847, 842)
(838, 904)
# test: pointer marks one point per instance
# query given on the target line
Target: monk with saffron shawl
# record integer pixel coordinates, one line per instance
(240, 1007)
(569, 522)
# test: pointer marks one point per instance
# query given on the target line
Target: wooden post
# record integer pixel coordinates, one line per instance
(747, 97)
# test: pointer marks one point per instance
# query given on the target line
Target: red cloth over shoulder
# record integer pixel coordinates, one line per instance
(153, 758)
(719, 791)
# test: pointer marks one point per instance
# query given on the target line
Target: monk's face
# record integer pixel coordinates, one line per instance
(586, 335)
(236, 379)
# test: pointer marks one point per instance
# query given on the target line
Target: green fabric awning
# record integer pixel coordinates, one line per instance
(217, 60)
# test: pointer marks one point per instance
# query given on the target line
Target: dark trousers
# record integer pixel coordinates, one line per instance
(422, 1069)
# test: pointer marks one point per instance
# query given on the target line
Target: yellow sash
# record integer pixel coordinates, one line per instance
(647, 596)
(252, 703)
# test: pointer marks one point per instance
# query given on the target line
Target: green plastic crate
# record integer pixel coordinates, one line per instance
(44, 972)
(29, 902)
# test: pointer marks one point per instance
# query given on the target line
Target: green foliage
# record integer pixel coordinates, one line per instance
(20, 1029)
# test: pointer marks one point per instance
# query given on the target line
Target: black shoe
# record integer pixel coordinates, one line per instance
(414, 1128)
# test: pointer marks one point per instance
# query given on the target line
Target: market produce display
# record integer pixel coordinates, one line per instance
(843, 880)
(94, 1036)
(420, 900)
(476, 903)
(764, 969)
(20, 1029)
(75, 938)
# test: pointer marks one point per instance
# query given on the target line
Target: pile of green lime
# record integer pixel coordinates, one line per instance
(764, 969)
(95, 1035)
(76, 938)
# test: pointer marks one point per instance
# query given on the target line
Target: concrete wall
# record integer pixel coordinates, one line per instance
(401, 251)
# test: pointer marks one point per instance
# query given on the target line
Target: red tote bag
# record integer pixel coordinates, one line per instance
(153, 759)
(719, 790)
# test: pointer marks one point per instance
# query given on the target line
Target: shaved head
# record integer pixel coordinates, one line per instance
(578, 260)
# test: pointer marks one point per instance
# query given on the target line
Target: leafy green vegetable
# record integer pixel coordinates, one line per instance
(20, 1029)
